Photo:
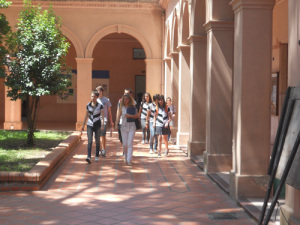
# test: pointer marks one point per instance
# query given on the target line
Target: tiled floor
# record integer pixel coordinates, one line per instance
(167, 190)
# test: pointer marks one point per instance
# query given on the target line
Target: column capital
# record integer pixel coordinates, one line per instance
(148, 61)
(238, 5)
(197, 38)
(172, 54)
(167, 59)
(219, 25)
(183, 48)
(84, 60)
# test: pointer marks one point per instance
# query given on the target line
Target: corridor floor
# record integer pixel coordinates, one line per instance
(167, 190)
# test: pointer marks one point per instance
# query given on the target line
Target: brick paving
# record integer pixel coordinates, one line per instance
(167, 190)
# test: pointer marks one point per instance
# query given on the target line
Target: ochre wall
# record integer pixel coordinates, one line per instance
(280, 31)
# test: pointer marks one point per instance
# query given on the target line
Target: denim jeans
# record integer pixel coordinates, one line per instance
(153, 136)
(145, 131)
(90, 131)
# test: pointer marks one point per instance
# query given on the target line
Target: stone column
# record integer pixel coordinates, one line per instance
(84, 87)
(184, 97)
(154, 76)
(197, 140)
(13, 113)
(174, 90)
(168, 78)
(291, 208)
(251, 97)
(218, 154)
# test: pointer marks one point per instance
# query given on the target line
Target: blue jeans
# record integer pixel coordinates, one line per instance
(145, 131)
(153, 136)
(90, 131)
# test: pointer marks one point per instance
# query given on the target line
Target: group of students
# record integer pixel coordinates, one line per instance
(155, 117)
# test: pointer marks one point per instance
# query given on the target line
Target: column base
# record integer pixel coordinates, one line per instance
(250, 186)
(286, 213)
(214, 163)
(79, 126)
(196, 148)
(12, 125)
(182, 139)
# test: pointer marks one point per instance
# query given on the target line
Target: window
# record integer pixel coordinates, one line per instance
(139, 53)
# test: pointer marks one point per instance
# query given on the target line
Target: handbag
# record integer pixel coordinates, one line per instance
(137, 124)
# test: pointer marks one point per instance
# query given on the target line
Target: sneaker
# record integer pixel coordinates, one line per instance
(143, 142)
(159, 155)
(129, 163)
(151, 151)
(146, 142)
(88, 159)
(155, 150)
(96, 158)
(103, 153)
(166, 152)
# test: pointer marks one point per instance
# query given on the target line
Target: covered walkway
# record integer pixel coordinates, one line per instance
(167, 190)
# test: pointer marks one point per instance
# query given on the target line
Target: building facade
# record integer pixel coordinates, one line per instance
(226, 64)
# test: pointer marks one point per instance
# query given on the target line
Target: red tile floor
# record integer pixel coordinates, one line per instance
(167, 190)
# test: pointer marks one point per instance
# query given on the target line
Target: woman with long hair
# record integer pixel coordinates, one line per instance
(161, 123)
(128, 113)
(146, 100)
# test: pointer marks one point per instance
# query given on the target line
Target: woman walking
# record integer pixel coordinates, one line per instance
(127, 112)
(93, 113)
(161, 123)
(146, 100)
(150, 117)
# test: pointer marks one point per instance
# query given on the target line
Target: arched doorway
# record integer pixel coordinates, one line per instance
(119, 63)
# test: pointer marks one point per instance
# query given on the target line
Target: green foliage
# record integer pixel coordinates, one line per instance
(4, 30)
(37, 55)
(15, 155)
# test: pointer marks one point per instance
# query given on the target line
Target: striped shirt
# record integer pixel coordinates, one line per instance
(162, 117)
(152, 109)
(144, 107)
(94, 114)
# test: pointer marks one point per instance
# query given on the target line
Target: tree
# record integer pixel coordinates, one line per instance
(36, 61)
(4, 30)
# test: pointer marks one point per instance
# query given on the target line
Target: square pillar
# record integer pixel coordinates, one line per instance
(175, 89)
(184, 95)
(84, 88)
(218, 154)
(251, 97)
(168, 78)
(154, 76)
(197, 132)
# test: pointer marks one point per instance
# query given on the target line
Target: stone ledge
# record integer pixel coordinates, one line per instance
(40, 173)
